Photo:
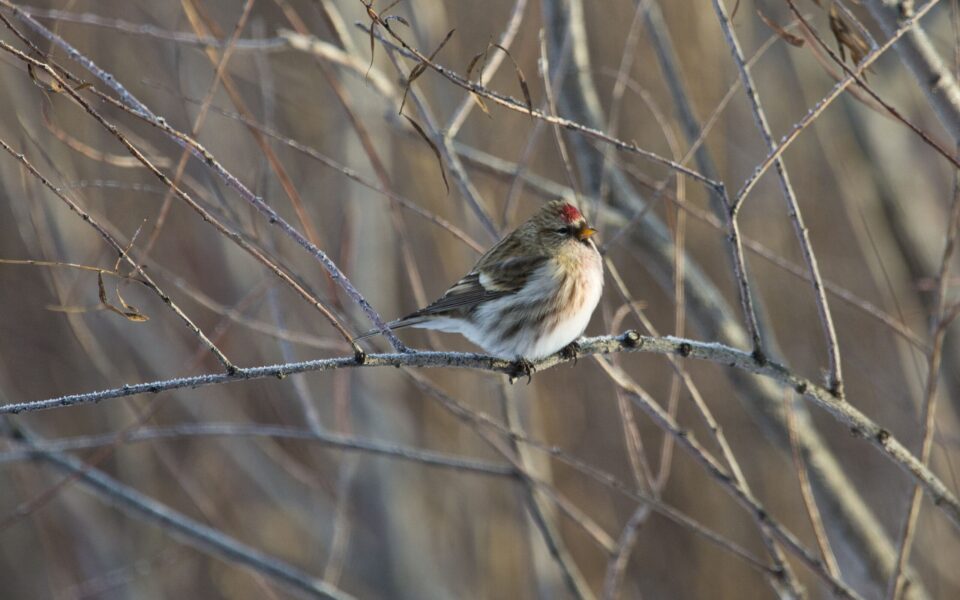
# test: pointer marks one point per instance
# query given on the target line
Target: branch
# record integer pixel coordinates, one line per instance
(630, 341)
(333, 440)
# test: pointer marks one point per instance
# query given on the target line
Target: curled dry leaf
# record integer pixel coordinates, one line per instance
(470, 67)
(374, 19)
(43, 80)
(782, 33)
(418, 70)
(523, 81)
(436, 151)
(131, 313)
(847, 37)
(397, 18)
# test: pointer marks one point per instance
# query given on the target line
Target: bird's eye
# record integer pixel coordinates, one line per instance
(564, 231)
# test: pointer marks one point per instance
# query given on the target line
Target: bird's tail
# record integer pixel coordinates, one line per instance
(393, 326)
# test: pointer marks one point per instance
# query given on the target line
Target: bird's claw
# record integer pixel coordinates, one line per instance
(571, 351)
(522, 368)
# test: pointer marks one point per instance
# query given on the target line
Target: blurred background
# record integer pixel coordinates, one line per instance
(319, 472)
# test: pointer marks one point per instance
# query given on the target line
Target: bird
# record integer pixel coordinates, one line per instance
(529, 296)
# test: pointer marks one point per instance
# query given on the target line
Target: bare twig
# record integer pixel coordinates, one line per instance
(211, 430)
(806, 492)
(835, 381)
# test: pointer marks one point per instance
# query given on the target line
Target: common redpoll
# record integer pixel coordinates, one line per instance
(530, 295)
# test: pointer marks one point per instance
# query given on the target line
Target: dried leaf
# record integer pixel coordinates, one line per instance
(436, 151)
(418, 70)
(523, 81)
(736, 7)
(481, 104)
(71, 310)
(374, 17)
(43, 80)
(473, 63)
(132, 314)
(397, 18)
(100, 288)
(470, 67)
(847, 37)
(782, 33)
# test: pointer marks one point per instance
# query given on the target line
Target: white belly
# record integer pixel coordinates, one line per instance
(542, 286)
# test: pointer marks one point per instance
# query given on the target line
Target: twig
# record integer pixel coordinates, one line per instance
(143, 29)
(835, 381)
(204, 430)
(806, 492)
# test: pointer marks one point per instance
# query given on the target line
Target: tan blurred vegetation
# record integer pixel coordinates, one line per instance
(876, 199)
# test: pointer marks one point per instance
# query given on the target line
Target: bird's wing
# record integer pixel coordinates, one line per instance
(487, 282)
(492, 278)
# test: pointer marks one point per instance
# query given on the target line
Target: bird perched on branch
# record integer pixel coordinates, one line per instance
(529, 296)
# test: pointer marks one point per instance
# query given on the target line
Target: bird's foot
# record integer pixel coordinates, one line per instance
(571, 351)
(522, 368)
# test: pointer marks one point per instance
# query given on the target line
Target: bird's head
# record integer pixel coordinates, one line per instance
(558, 224)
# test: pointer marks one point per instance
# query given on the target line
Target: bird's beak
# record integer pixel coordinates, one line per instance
(585, 233)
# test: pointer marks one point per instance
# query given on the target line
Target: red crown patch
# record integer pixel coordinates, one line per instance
(570, 213)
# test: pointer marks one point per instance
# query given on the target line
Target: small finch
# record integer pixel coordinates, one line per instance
(529, 296)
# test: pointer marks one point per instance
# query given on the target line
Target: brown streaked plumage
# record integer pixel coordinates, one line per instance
(527, 297)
